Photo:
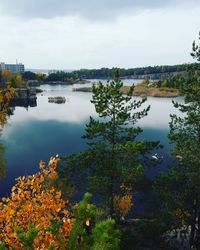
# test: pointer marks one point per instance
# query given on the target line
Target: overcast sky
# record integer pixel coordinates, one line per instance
(73, 34)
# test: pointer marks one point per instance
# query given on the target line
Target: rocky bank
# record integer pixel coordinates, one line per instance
(25, 97)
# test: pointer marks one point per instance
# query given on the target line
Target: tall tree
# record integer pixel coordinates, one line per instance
(181, 184)
(114, 158)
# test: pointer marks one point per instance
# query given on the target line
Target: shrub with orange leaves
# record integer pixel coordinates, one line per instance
(123, 201)
(35, 200)
(5, 74)
(122, 204)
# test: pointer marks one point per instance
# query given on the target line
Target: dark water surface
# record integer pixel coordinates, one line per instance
(48, 129)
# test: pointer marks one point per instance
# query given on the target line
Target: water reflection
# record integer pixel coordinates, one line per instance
(24, 103)
(78, 108)
(48, 129)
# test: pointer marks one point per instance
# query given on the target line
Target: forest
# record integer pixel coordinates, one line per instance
(151, 72)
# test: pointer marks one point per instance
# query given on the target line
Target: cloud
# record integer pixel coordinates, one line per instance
(157, 36)
(89, 9)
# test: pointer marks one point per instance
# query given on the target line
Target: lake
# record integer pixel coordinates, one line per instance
(36, 133)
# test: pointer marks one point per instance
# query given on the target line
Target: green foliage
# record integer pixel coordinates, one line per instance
(88, 233)
(155, 72)
(105, 236)
(179, 187)
(28, 75)
(172, 82)
(84, 214)
(196, 50)
(54, 229)
(51, 248)
(114, 157)
(108, 73)
(27, 238)
(2, 246)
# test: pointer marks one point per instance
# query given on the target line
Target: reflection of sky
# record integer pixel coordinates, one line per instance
(159, 114)
(28, 142)
(75, 110)
(48, 129)
(78, 108)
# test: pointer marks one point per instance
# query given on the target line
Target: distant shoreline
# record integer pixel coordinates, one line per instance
(141, 91)
(152, 91)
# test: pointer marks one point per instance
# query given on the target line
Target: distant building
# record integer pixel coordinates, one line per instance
(18, 67)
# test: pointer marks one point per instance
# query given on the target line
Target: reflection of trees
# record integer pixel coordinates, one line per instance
(6, 95)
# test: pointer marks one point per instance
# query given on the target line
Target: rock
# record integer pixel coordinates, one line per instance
(178, 238)
(57, 99)
(25, 97)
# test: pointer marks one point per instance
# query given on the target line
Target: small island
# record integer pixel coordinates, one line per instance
(145, 88)
(152, 91)
(57, 99)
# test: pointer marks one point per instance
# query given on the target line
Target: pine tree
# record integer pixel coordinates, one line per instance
(180, 186)
(115, 158)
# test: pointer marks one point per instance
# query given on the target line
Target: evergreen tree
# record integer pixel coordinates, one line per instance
(89, 231)
(115, 158)
(180, 186)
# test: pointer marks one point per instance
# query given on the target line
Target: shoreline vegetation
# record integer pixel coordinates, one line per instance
(163, 72)
(141, 90)
(158, 81)
(152, 91)
(148, 72)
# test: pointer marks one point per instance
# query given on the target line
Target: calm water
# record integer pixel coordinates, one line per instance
(39, 132)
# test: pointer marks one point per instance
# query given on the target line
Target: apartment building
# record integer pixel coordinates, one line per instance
(18, 67)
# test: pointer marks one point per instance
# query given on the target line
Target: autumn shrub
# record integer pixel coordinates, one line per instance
(35, 216)
(35, 200)
(123, 201)
(123, 204)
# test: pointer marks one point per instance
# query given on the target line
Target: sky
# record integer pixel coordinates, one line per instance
(66, 34)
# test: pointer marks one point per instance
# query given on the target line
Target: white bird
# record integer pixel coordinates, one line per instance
(179, 157)
(155, 157)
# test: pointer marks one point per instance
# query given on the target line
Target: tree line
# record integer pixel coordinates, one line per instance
(131, 72)
(165, 71)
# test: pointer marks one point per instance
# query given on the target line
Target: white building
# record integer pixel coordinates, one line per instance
(18, 67)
